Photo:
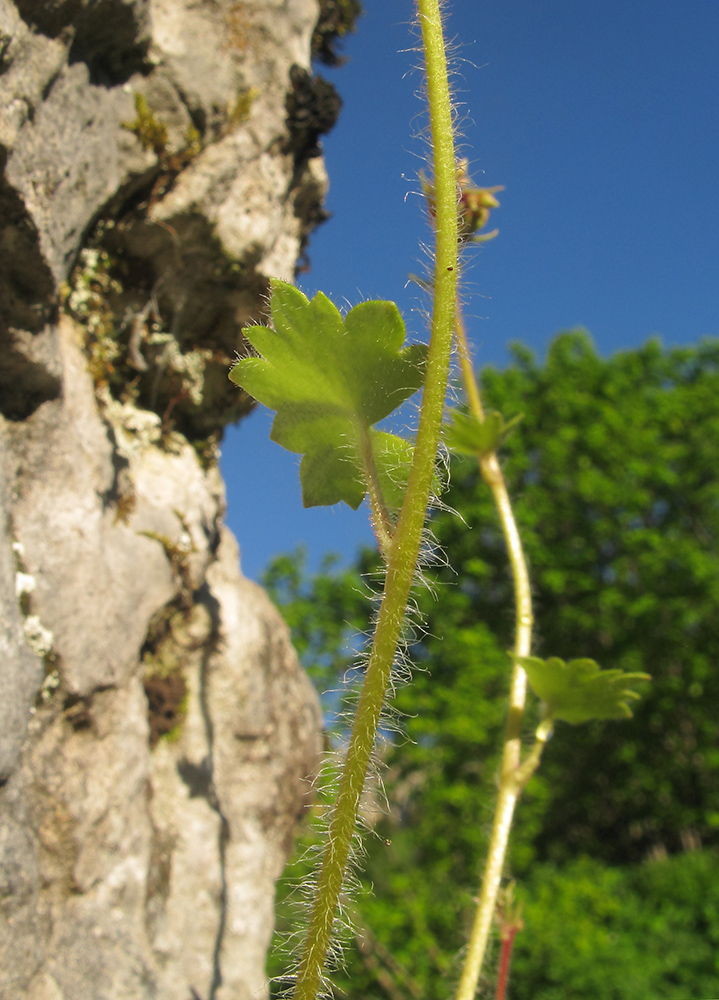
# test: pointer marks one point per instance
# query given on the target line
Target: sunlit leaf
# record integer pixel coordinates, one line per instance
(468, 435)
(580, 690)
(330, 379)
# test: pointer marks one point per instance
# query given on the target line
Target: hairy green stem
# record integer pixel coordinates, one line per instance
(514, 775)
(403, 550)
(381, 520)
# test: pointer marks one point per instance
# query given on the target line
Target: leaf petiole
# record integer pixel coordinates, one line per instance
(381, 520)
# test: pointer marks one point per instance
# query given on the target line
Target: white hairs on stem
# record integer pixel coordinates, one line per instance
(326, 781)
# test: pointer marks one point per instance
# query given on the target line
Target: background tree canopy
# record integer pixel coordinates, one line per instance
(614, 472)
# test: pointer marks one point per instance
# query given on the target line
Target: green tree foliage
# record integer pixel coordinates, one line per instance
(613, 469)
(618, 499)
(647, 931)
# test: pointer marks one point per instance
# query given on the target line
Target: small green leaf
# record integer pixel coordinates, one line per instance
(330, 379)
(393, 458)
(467, 435)
(580, 690)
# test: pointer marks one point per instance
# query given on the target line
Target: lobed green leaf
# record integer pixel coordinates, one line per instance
(579, 691)
(330, 379)
(468, 435)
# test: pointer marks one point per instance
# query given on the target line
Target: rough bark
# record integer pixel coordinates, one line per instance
(158, 163)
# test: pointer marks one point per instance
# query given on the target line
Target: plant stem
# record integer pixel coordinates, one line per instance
(512, 780)
(403, 549)
(505, 957)
(381, 520)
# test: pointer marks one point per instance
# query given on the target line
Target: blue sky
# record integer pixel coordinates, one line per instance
(601, 120)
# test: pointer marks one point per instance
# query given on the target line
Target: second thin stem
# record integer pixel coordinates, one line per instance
(511, 779)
